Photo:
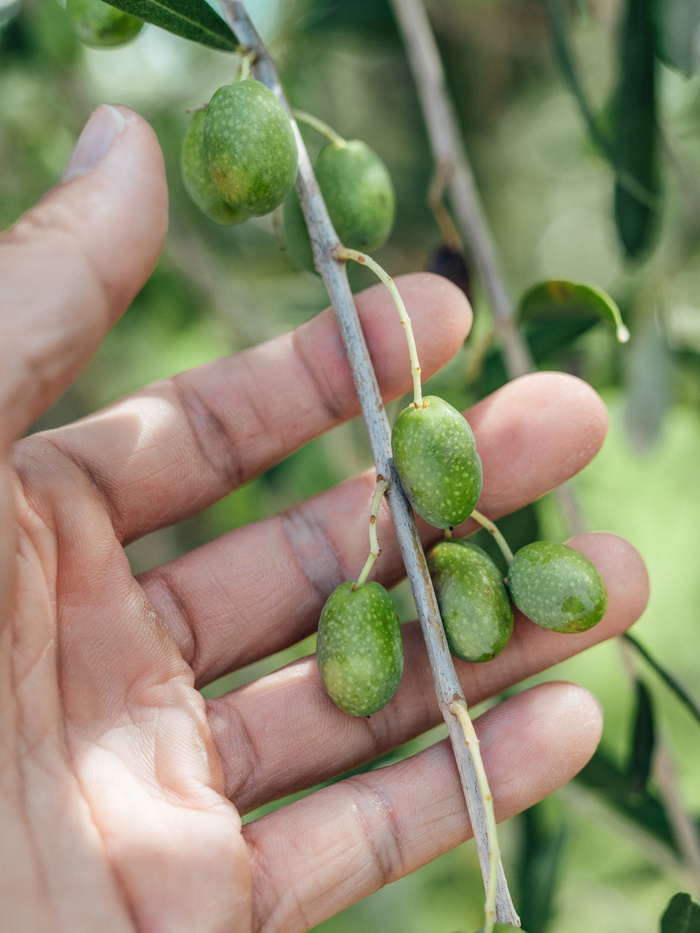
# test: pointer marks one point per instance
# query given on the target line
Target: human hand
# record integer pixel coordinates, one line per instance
(121, 788)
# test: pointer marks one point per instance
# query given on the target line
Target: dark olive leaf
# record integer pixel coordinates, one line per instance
(543, 339)
(637, 188)
(645, 810)
(681, 916)
(642, 742)
(558, 28)
(191, 19)
(540, 860)
(554, 299)
(678, 35)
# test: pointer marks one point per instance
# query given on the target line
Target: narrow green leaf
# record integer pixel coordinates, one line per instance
(645, 810)
(681, 916)
(192, 19)
(544, 340)
(557, 299)
(670, 681)
(540, 860)
(558, 27)
(642, 742)
(637, 188)
(678, 35)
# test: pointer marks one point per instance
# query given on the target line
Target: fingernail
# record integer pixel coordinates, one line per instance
(103, 127)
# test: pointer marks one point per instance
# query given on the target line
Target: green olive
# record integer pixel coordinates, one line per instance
(359, 194)
(359, 650)
(435, 456)
(475, 606)
(197, 179)
(250, 147)
(102, 26)
(557, 587)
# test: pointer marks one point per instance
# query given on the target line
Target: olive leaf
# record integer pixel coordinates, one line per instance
(642, 742)
(539, 866)
(558, 28)
(671, 682)
(191, 19)
(557, 299)
(637, 188)
(681, 916)
(603, 776)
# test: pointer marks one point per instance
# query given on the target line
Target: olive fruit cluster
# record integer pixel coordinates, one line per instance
(557, 587)
(239, 156)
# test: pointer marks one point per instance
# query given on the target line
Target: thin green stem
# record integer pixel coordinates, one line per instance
(246, 64)
(374, 549)
(498, 537)
(343, 253)
(459, 710)
(323, 128)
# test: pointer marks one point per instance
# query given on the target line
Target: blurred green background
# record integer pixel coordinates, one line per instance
(548, 195)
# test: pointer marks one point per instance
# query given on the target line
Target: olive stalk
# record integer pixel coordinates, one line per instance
(374, 549)
(325, 243)
(497, 536)
(459, 708)
(344, 253)
(301, 116)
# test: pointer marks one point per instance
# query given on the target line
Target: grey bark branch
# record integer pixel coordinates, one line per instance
(454, 167)
(325, 243)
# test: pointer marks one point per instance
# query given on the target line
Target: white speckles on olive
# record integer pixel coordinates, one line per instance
(435, 455)
(359, 650)
(557, 587)
(197, 179)
(250, 147)
(474, 603)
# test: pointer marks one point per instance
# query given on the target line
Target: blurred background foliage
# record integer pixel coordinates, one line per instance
(601, 853)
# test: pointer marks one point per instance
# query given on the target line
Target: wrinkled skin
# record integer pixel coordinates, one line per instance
(121, 789)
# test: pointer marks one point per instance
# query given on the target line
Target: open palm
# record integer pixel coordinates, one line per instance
(121, 788)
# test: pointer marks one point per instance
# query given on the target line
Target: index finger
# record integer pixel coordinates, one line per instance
(173, 449)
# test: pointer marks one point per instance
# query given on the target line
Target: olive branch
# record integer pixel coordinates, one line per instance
(449, 692)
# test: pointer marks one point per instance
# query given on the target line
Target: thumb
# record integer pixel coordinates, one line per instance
(71, 265)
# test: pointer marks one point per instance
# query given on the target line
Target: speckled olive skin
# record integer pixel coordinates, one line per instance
(359, 650)
(474, 603)
(250, 147)
(101, 26)
(197, 179)
(359, 194)
(435, 456)
(557, 587)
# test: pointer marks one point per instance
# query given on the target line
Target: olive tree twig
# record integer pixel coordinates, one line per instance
(454, 168)
(325, 242)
